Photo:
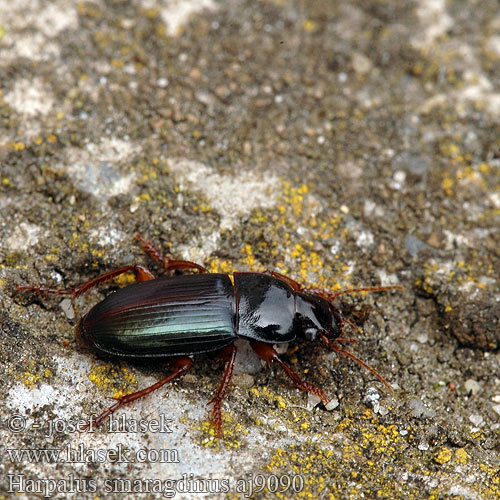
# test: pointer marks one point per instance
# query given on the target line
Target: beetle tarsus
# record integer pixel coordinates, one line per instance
(168, 264)
(43, 289)
(141, 274)
(229, 353)
(179, 366)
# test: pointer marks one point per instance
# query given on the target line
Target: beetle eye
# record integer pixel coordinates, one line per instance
(311, 333)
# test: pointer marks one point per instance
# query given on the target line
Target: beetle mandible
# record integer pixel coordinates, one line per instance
(174, 317)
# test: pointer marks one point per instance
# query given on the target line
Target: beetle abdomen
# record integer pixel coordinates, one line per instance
(266, 308)
(170, 316)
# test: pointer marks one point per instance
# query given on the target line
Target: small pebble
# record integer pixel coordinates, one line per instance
(372, 399)
(399, 176)
(423, 445)
(243, 380)
(383, 411)
(189, 378)
(246, 360)
(81, 387)
(398, 179)
(414, 245)
(476, 420)
(162, 82)
(472, 387)
(281, 348)
(332, 404)
(422, 338)
(361, 64)
(67, 308)
(419, 409)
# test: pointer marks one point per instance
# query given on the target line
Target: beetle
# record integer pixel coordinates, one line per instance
(174, 317)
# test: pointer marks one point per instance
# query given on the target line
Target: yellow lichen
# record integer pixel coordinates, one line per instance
(443, 456)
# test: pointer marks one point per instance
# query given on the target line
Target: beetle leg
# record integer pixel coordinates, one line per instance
(168, 264)
(172, 264)
(268, 354)
(179, 366)
(296, 286)
(229, 353)
(141, 274)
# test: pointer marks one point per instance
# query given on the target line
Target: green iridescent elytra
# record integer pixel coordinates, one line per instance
(168, 316)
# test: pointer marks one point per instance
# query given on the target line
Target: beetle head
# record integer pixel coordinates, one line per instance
(315, 316)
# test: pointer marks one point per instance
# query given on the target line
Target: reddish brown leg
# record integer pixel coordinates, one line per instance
(141, 274)
(296, 286)
(229, 354)
(268, 354)
(179, 366)
(336, 348)
(168, 264)
(344, 340)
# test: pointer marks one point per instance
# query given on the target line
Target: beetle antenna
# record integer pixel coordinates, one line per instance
(369, 289)
(355, 358)
(329, 296)
(344, 340)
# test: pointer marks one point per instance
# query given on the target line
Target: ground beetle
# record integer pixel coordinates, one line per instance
(175, 317)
